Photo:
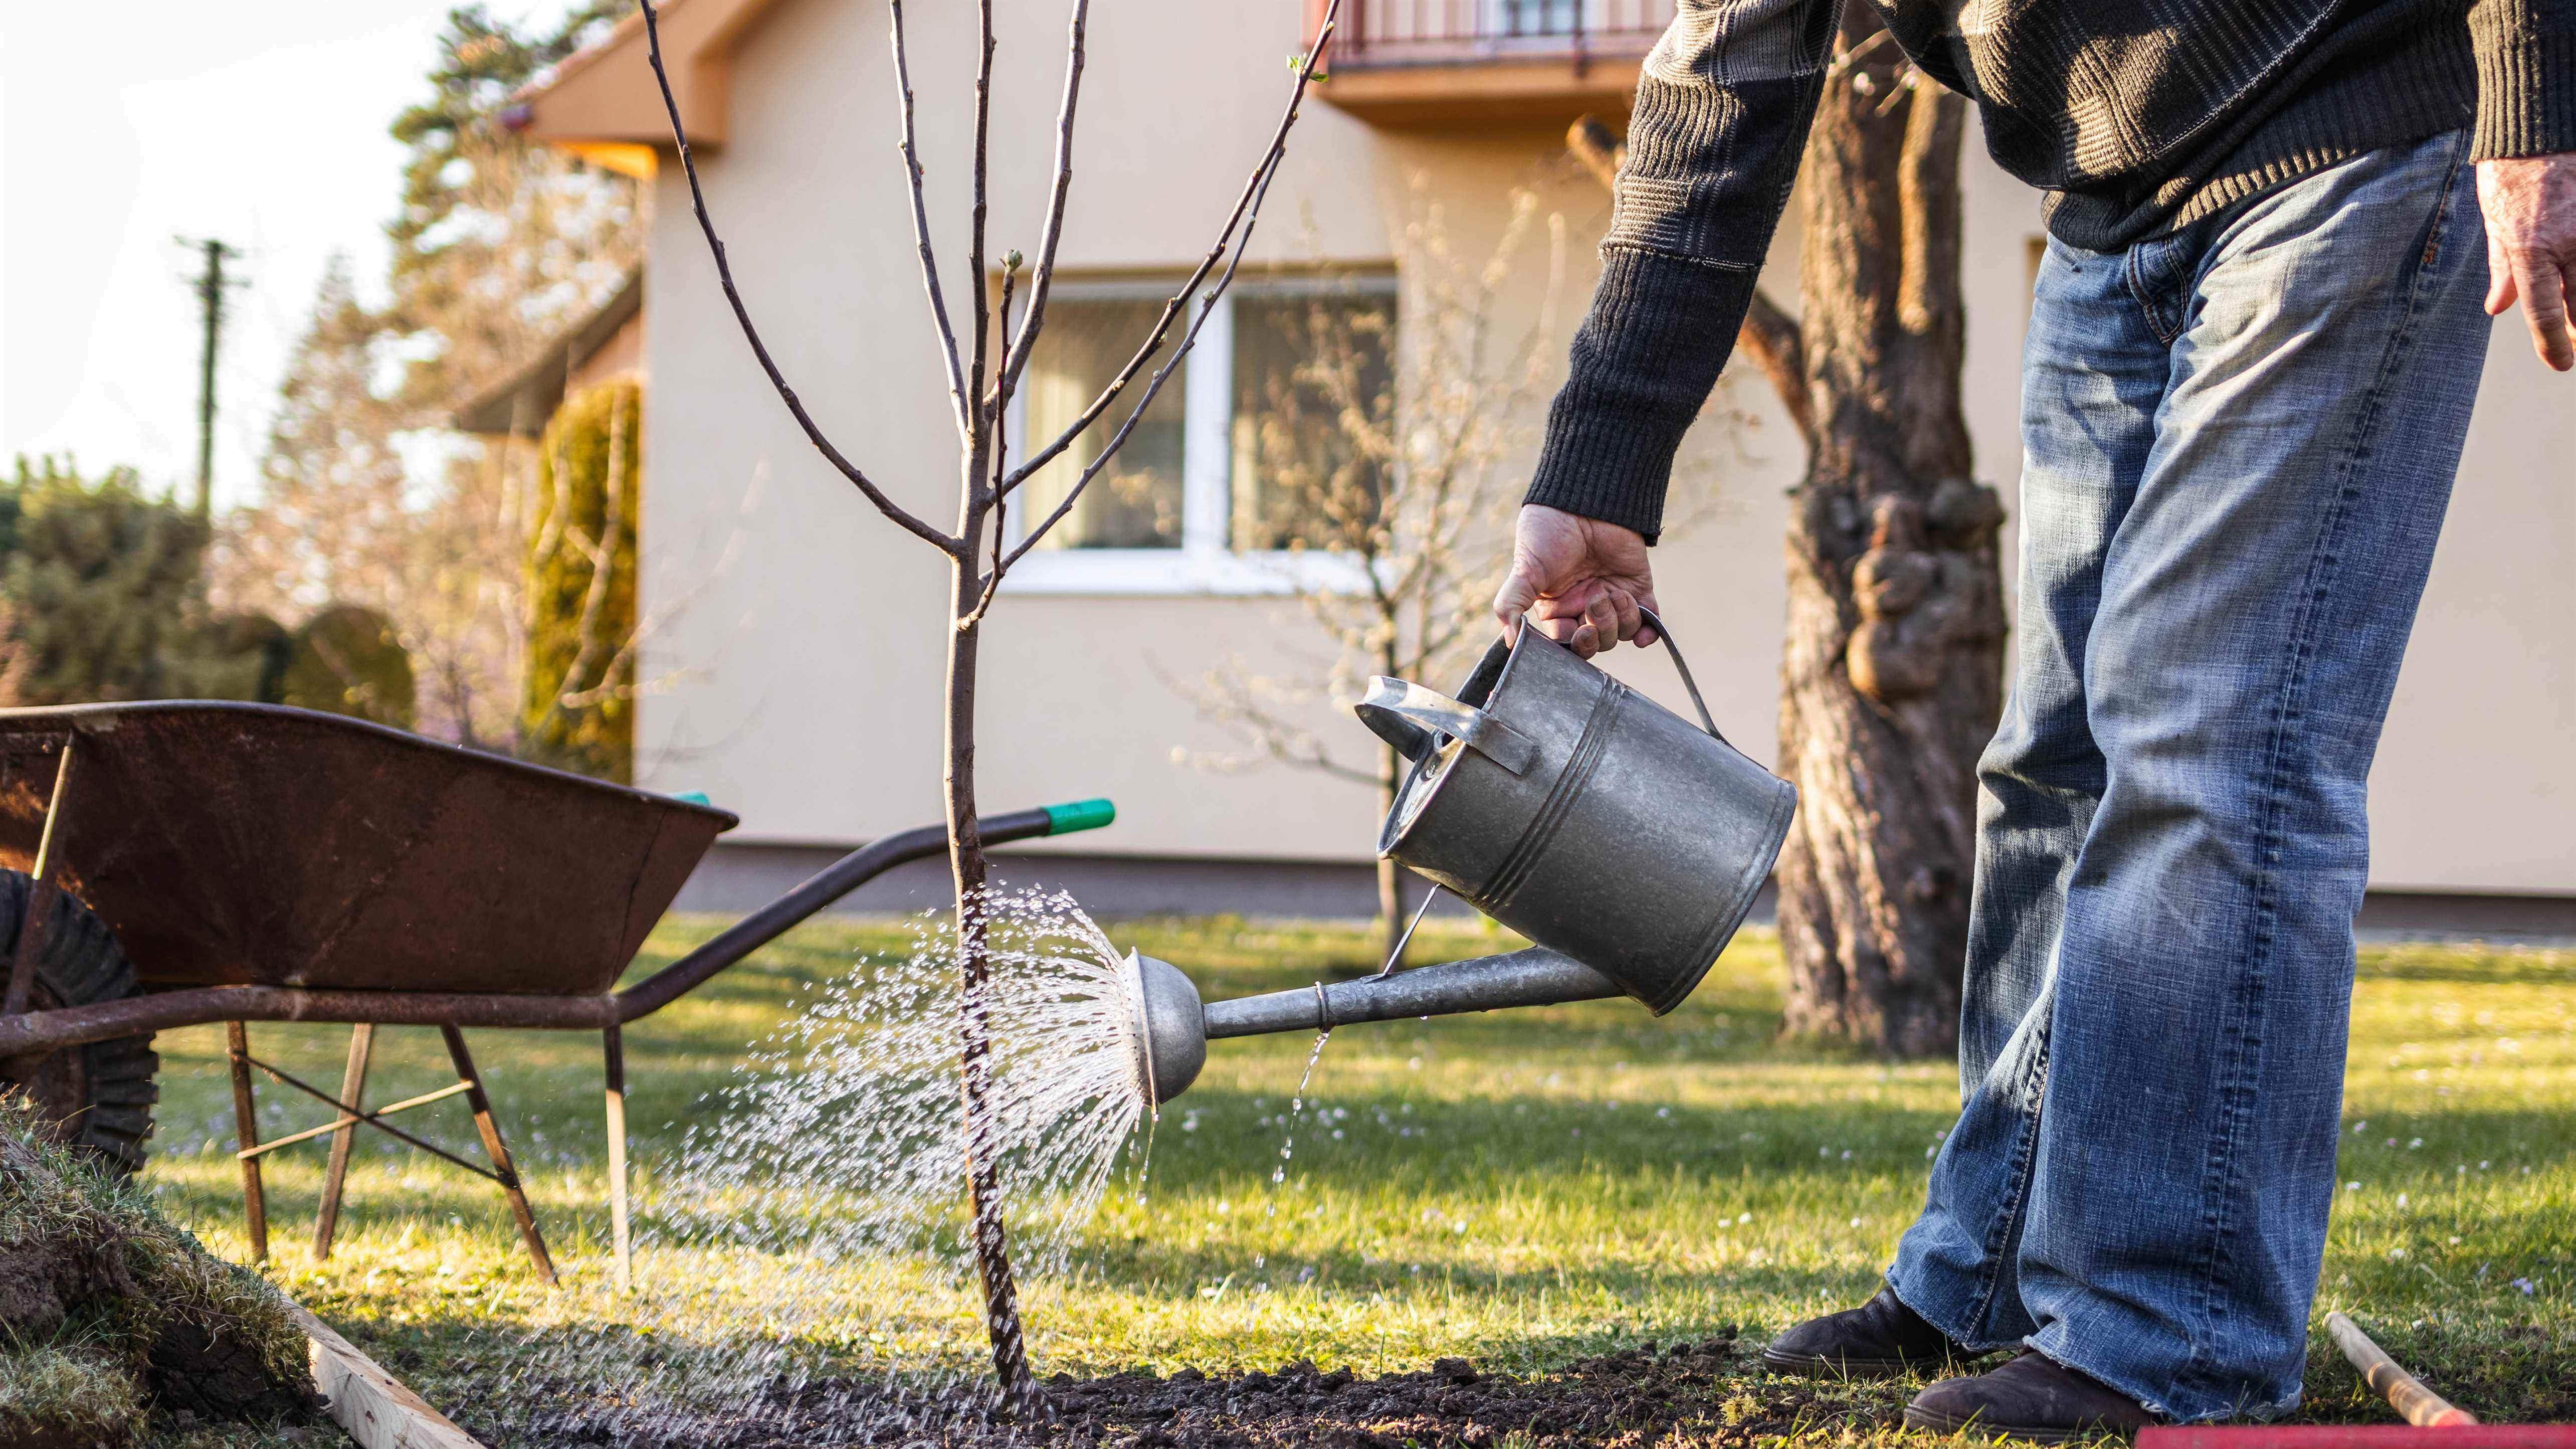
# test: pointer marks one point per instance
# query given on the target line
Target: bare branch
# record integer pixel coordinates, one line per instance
(1042, 280)
(1771, 338)
(751, 334)
(1246, 705)
(912, 176)
(1001, 457)
(1246, 214)
(983, 340)
(1598, 148)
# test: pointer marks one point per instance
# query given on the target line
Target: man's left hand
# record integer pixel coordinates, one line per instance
(2530, 206)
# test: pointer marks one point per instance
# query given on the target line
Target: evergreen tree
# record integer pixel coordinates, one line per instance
(98, 586)
(499, 243)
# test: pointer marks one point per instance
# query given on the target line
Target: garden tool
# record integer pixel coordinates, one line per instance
(1627, 842)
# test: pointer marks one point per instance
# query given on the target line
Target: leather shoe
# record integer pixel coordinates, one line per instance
(1880, 1339)
(2033, 1397)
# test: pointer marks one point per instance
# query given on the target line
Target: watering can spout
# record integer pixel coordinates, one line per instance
(1170, 1027)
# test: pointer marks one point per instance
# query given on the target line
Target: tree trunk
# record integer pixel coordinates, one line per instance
(1390, 876)
(1892, 672)
(975, 1042)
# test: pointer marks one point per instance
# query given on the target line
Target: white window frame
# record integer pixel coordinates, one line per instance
(1204, 564)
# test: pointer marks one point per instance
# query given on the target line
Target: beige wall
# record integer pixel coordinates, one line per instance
(796, 646)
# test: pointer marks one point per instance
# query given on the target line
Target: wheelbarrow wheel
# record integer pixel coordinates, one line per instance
(99, 1097)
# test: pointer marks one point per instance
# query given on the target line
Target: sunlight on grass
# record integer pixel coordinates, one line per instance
(1522, 1188)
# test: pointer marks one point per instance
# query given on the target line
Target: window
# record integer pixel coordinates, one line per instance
(1138, 501)
(1536, 17)
(1218, 490)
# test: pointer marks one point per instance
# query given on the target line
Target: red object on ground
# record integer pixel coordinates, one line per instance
(2359, 1436)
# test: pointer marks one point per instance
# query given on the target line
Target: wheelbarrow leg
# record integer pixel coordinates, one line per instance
(246, 1126)
(30, 946)
(493, 1147)
(353, 1099)
(613, 1044)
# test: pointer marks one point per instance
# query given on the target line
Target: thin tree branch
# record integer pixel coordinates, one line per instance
(1772, 339)
(1042, 280)
(912, 175)
(1001, 456)
(981, 347)
(1769, 335)
(1246, 214)
(1599, 148)
(751, 333)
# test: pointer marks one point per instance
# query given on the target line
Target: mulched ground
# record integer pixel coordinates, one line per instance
(1628, 1399)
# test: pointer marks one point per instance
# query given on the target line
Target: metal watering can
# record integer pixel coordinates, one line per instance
(1626, 841)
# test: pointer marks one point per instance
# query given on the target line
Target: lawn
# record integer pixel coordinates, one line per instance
(1523, 1189)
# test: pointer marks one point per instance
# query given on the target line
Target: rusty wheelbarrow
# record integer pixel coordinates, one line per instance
(186, 862)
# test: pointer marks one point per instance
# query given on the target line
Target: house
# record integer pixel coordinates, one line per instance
(793, 646)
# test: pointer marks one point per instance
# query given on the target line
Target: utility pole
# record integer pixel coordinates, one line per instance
(210, 286)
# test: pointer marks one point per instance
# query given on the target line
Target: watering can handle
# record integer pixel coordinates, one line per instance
(1408, 715)
(1664, 632)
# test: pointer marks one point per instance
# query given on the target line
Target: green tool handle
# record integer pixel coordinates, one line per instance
(1076, 815)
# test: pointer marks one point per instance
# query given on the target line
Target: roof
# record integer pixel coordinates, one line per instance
(522, 401)
(602, 102)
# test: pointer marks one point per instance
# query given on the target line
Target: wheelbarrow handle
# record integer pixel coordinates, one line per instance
(729, 946)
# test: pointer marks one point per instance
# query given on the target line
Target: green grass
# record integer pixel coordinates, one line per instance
(1523, 1188)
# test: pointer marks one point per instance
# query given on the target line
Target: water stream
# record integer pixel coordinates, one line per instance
(813, 1216)
(1296, 1107)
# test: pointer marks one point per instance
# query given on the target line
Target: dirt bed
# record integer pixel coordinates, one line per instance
(1631, 1398)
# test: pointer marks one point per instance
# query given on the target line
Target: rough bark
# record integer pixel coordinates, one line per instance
(1891, 678)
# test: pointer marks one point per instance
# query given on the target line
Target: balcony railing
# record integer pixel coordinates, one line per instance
(1376, 33)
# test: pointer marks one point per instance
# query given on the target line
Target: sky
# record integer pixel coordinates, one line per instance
(261, 122)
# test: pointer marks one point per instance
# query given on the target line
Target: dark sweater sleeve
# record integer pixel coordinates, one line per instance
(1723, 107)
(2526, 53)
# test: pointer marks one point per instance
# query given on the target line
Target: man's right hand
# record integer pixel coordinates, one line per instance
(1580, 580)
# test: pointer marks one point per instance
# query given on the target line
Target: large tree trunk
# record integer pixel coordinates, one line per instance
(1890, 684)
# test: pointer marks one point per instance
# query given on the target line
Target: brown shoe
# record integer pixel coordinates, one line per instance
(1880, 1339)
(2033, 1397)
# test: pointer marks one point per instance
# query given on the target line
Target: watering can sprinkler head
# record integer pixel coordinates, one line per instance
(1166, 1028)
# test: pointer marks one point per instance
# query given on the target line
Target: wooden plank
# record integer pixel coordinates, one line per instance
(2407, 1394)
(372, 1405)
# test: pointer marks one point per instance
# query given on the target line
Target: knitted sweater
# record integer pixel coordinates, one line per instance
(2134, 115)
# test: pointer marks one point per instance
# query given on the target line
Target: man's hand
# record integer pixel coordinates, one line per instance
(2530, 206)
(1580, 579)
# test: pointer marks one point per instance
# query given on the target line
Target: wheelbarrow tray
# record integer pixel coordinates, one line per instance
(252, 844)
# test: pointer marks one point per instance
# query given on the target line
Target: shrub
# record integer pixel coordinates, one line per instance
(578, 711)
(100, 585)
(346, 660)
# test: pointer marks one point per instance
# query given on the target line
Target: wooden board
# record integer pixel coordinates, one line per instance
(372, 1405)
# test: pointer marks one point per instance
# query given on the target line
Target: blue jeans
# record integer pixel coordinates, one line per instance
(2240, 441)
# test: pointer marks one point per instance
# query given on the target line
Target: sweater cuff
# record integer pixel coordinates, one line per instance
(2526, 96)
(1658, 334)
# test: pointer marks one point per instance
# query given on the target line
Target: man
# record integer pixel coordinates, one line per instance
(2256, 338)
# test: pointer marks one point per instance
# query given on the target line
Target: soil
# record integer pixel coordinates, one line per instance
(102, 1272)
(1634, 1397)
